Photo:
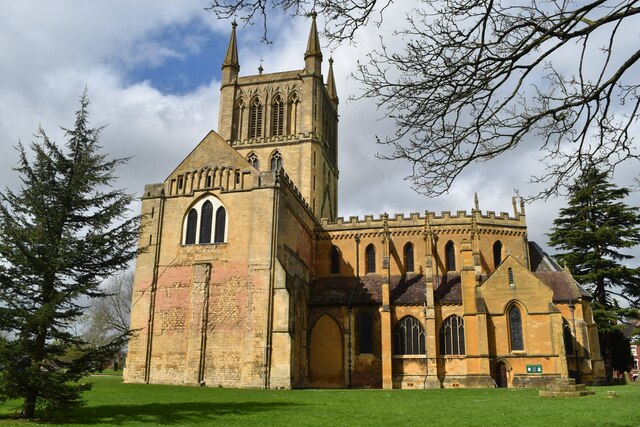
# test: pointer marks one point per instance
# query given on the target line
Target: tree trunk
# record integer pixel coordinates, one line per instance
(29, 407)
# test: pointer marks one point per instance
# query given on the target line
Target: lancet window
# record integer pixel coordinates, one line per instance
(408, 257)
(370, 259)
(255, 119)
(276, 161)
(515, 329)
(277, 116)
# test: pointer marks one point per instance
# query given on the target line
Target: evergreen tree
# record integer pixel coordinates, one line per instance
(61, 235)
(592, 231)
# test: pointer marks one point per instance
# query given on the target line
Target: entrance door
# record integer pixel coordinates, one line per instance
(500, 375)
(325, 364)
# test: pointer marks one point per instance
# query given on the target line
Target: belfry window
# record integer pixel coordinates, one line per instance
(335, 260)
(276, 161)
(408, 257)
(252, 158)
(497, 253)
(450, 256)
(515, 329)
(277, 116)
(200, 225)
(370, 259)
(255, 119)
(408, 336)
(452, 336)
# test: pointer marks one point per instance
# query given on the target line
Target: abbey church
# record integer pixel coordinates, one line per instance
(249, 278)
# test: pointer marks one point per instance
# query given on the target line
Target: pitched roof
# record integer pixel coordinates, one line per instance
(367, 290)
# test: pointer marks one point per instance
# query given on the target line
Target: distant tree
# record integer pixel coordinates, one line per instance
(61, 235)
(592, 232)
(109, 316)
(472, 79)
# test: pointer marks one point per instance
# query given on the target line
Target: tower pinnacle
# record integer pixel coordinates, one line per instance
(231, 64)
(331, 84)
(313, 55)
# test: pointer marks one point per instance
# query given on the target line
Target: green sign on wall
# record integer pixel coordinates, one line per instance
(534, 369)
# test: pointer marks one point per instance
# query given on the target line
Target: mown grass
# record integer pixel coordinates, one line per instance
(112, 403)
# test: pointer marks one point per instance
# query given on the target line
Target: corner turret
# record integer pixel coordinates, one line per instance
(313, 55)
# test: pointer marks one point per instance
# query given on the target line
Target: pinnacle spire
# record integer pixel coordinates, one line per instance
(331, 84)
(313, 45)
(231, 58)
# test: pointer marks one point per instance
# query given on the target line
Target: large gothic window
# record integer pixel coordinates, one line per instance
(365, 333)
(515, 329)
(408, 257)
(255, 119)
(277, 116)
(200, 225)
(450, 256)
(221, 218)
(497, 253)
(452, 336)
(276, 161)
(335, 260)
(192, 226)
(206, 221)
(408, 336)
(370, 259)
(252, 158)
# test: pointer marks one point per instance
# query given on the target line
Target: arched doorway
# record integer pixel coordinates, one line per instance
(325, 355)
(500, 375)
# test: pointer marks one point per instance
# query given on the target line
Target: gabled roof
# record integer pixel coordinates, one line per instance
(368, 290)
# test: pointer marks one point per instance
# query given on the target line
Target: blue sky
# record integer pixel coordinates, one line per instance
(152, 69)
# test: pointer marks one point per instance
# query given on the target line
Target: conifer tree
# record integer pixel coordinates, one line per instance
(592, 232)
(61, 234)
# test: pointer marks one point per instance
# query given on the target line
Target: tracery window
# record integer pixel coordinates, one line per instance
(497, 253)
(408, 257)
(277, 116)
(335, 260)
(276, 161)
(221, 218)
(452, 336)
(450, 256)
(199, 224)
(408, 336)
(255, 119)
(370, 259)
(365, 333)
(192, 225)
(252, 158)
(515, 329)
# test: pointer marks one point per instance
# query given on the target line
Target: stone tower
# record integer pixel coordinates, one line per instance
(287, 119)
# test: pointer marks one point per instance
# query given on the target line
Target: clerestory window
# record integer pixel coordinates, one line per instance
(201, 225)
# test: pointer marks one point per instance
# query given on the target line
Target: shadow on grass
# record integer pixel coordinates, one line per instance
(167, 413)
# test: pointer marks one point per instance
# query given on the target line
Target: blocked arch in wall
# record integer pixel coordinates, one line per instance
(326, 368)
(205, 214)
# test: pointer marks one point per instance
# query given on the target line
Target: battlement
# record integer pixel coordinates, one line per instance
(414, 219)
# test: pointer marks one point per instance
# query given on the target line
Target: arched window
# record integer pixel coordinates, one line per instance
(335, 260)
(408, 337)
(199, 225)
(221, 218)
(365, 333)
(452, 336)
(252, 158)
(192, 224)
(255, 119)
(292, 121)
(497, 253)
(408, 257)
(239, 119)
(370, 259)
(450, 256)
(512, 282)
(568, 337)
(277, 116)
(206, 221)
(515, 329)
(276, 161)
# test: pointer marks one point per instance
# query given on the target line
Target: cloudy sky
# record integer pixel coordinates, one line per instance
(152, 70)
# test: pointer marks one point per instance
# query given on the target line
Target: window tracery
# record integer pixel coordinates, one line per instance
(409, 337)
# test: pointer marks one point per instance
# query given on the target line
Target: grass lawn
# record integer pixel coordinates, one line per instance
(112, 403)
